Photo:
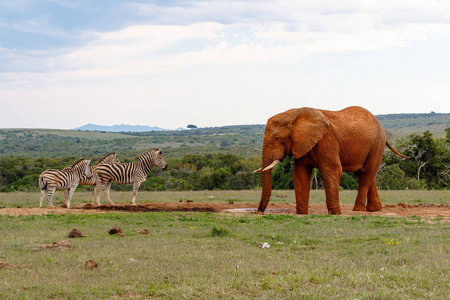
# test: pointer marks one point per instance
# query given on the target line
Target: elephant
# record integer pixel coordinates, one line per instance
(350, 140)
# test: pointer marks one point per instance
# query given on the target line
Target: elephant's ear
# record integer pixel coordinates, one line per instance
(307, 129)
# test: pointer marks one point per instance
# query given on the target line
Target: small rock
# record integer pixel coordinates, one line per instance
(143, 231)
(115, 230)
(189, 200)
(231, 202)
(19, 206)
(90, 264)
(75, 233)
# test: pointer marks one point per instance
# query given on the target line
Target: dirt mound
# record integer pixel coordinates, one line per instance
(4, 265)
(61, 245)
(400, 209)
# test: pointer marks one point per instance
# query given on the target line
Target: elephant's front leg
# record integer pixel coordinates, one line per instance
(301, 177)
(331, 179)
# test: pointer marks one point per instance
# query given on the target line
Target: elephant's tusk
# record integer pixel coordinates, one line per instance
(273, 164)
(258, 171)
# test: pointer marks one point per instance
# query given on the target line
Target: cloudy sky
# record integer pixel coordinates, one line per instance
(66, 63)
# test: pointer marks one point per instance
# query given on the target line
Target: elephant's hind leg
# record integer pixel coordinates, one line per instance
(373, 199)
(367, 188)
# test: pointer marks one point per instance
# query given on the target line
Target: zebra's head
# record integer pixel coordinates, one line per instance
(81, 167)
(159, 160)
(87, 170)
(152, 158)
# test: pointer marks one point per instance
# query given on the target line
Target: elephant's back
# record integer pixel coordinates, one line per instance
(358, 131)
(354, 119)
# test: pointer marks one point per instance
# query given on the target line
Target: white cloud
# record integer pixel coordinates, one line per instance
(217, 32)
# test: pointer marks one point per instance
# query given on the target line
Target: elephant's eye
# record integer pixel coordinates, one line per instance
(277, 138)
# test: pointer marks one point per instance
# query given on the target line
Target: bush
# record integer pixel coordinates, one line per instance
(349, 181)
(219, 232)
(392, 178)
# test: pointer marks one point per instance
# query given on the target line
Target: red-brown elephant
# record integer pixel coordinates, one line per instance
(350, 140)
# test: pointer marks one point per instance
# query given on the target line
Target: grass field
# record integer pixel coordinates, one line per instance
(10, 200)
(217, 256)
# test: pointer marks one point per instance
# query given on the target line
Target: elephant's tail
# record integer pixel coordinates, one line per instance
(395, 151)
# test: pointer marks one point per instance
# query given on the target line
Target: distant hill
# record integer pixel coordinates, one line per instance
(409, 120)
(122, 128)
(246, 140)
(389, 121)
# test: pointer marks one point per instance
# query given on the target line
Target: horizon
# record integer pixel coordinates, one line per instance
(185, 128)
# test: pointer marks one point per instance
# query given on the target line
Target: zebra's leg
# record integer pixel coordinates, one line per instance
(93, 194)
(69, 198)
(41, 199)
(136, 186)
(107, 188)
(51, 192)
(98, 187)
(66, 195)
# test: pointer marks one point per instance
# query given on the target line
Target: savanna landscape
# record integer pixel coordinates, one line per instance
(194, 232)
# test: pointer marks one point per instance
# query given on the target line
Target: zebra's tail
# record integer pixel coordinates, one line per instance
(42, 183)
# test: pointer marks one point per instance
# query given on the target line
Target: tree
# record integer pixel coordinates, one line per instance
(191, 126)
(429, 160)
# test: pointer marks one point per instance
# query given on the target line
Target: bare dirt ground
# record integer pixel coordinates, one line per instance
(400, 210)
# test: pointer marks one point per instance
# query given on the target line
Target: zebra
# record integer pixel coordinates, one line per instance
(52, 180)
(134, 172)
(84, 180)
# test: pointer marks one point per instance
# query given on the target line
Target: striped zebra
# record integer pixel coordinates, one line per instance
(84, 180)
(134, 172)
(52, 180)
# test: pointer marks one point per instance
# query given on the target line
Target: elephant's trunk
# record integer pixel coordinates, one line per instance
(266, 180)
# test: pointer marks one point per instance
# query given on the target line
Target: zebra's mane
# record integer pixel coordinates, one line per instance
(147, 154)
(106, 157)
(78, 162)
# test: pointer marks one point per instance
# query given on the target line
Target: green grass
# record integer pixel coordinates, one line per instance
(210, 256)
(10, 200)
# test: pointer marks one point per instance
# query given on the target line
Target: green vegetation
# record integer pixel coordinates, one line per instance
(218, 158)
(26, 199)
(210, 256)
(411, 120)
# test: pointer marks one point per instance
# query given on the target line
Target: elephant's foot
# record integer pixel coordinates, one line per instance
(302, 211)
(302, 207)
(374, 207)
(359, 207)
(333, 209)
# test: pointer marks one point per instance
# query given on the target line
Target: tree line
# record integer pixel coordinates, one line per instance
(428, 167)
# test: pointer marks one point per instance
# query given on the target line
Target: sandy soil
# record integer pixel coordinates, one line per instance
(401, 209)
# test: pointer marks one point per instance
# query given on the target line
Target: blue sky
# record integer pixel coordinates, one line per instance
(66, 63)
